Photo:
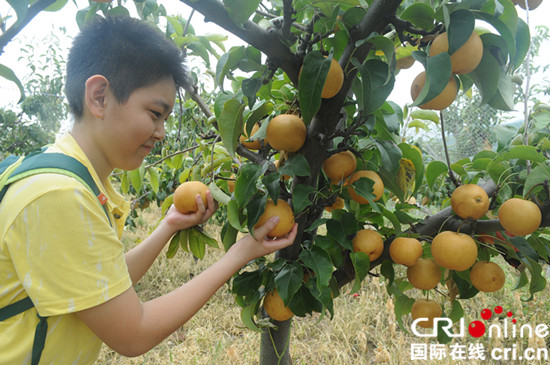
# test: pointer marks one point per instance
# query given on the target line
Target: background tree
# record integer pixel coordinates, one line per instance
(34, 122)
(281, 70)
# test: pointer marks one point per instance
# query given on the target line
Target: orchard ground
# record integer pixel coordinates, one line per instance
(363, 331)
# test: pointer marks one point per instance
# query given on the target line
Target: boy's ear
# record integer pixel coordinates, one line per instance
(95, 93)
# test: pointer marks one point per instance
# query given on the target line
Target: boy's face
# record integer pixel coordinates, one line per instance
(131, 129)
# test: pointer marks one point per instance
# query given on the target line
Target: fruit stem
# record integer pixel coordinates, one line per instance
(526, 95)
(451, 175)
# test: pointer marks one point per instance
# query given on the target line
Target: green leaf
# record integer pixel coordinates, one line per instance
(203, 237)
(8, 74)
(522, 40)
(271, 183)
(218, 194)
(300, 197)
(304, 301)
(419, 14)
(197, 48)
(196, 245)
(336, 231)
(417, 124)
(296, 165)
(250, 88)
(310, 85)
(154, 179)
(230, 124)
(524, 247)
(460, 28)
(382, 82)
(465, 288)
(361, 263)
(218, 39)
(425, 115)
(259, 112)
(506, 31)
(520, 153)
(318, 260)
(184, 239)
(20, 7)
(247, 283)
(245, 185)
(56, 6)
(227, 62)
(364, 188)
(522, 280)
(499, 172)
(247, 316)
(255, 208)
(125, 182)
(176, 24)
(459, 169)
(166, 204)
(240, 10)
(289, 280)
(221, 98)
(393, 219)
(390, 155)
(228, 235)
(176, 161)
(539, 175)
(135, 179)
(403, 305)
(236, 219)
(457, 312)
(388, 271)
(434, 170)
(538, 281)
(416, 157)
(173, 246)
(385, 45)
(438, 73)
(504, 97)
(118, 11)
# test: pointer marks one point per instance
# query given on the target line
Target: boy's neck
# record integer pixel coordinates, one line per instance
(84, 138)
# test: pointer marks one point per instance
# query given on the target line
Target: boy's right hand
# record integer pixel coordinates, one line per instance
(181, 221)
(262, 245)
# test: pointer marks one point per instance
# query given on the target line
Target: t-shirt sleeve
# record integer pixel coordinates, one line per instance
(65, 252)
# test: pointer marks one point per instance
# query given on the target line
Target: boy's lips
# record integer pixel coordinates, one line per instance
(148, 147)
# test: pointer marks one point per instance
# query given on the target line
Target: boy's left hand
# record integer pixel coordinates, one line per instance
(182, 221)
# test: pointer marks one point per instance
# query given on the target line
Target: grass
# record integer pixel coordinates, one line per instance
(363, 330)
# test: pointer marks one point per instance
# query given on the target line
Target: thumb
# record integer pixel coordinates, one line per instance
(267, 226)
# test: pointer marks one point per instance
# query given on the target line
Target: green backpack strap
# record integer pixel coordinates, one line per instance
(19, 168)
(15, 308)
(41, 328)
(55, 163)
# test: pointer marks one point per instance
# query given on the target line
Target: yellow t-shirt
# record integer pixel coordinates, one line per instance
(57, 247)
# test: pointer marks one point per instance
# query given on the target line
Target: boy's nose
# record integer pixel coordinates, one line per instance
(159, 133)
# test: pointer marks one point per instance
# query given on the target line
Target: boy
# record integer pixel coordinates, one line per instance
(56, 244)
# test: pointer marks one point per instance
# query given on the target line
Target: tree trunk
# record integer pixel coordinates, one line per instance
(275, 344)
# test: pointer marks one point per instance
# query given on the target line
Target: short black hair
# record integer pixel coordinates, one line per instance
(128, 52)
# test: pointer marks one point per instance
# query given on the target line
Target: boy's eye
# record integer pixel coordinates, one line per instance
(156, 114)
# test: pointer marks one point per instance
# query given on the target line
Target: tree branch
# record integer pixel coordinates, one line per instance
(32, 11)
(287, 18)
(432, 225)
(270, 42)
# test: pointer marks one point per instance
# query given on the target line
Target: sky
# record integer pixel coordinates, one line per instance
(46, 22)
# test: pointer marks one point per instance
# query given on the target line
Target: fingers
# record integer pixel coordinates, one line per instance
(212, 203)
(284, 241)
(263, 230)
(290, 236)
(200, 204)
